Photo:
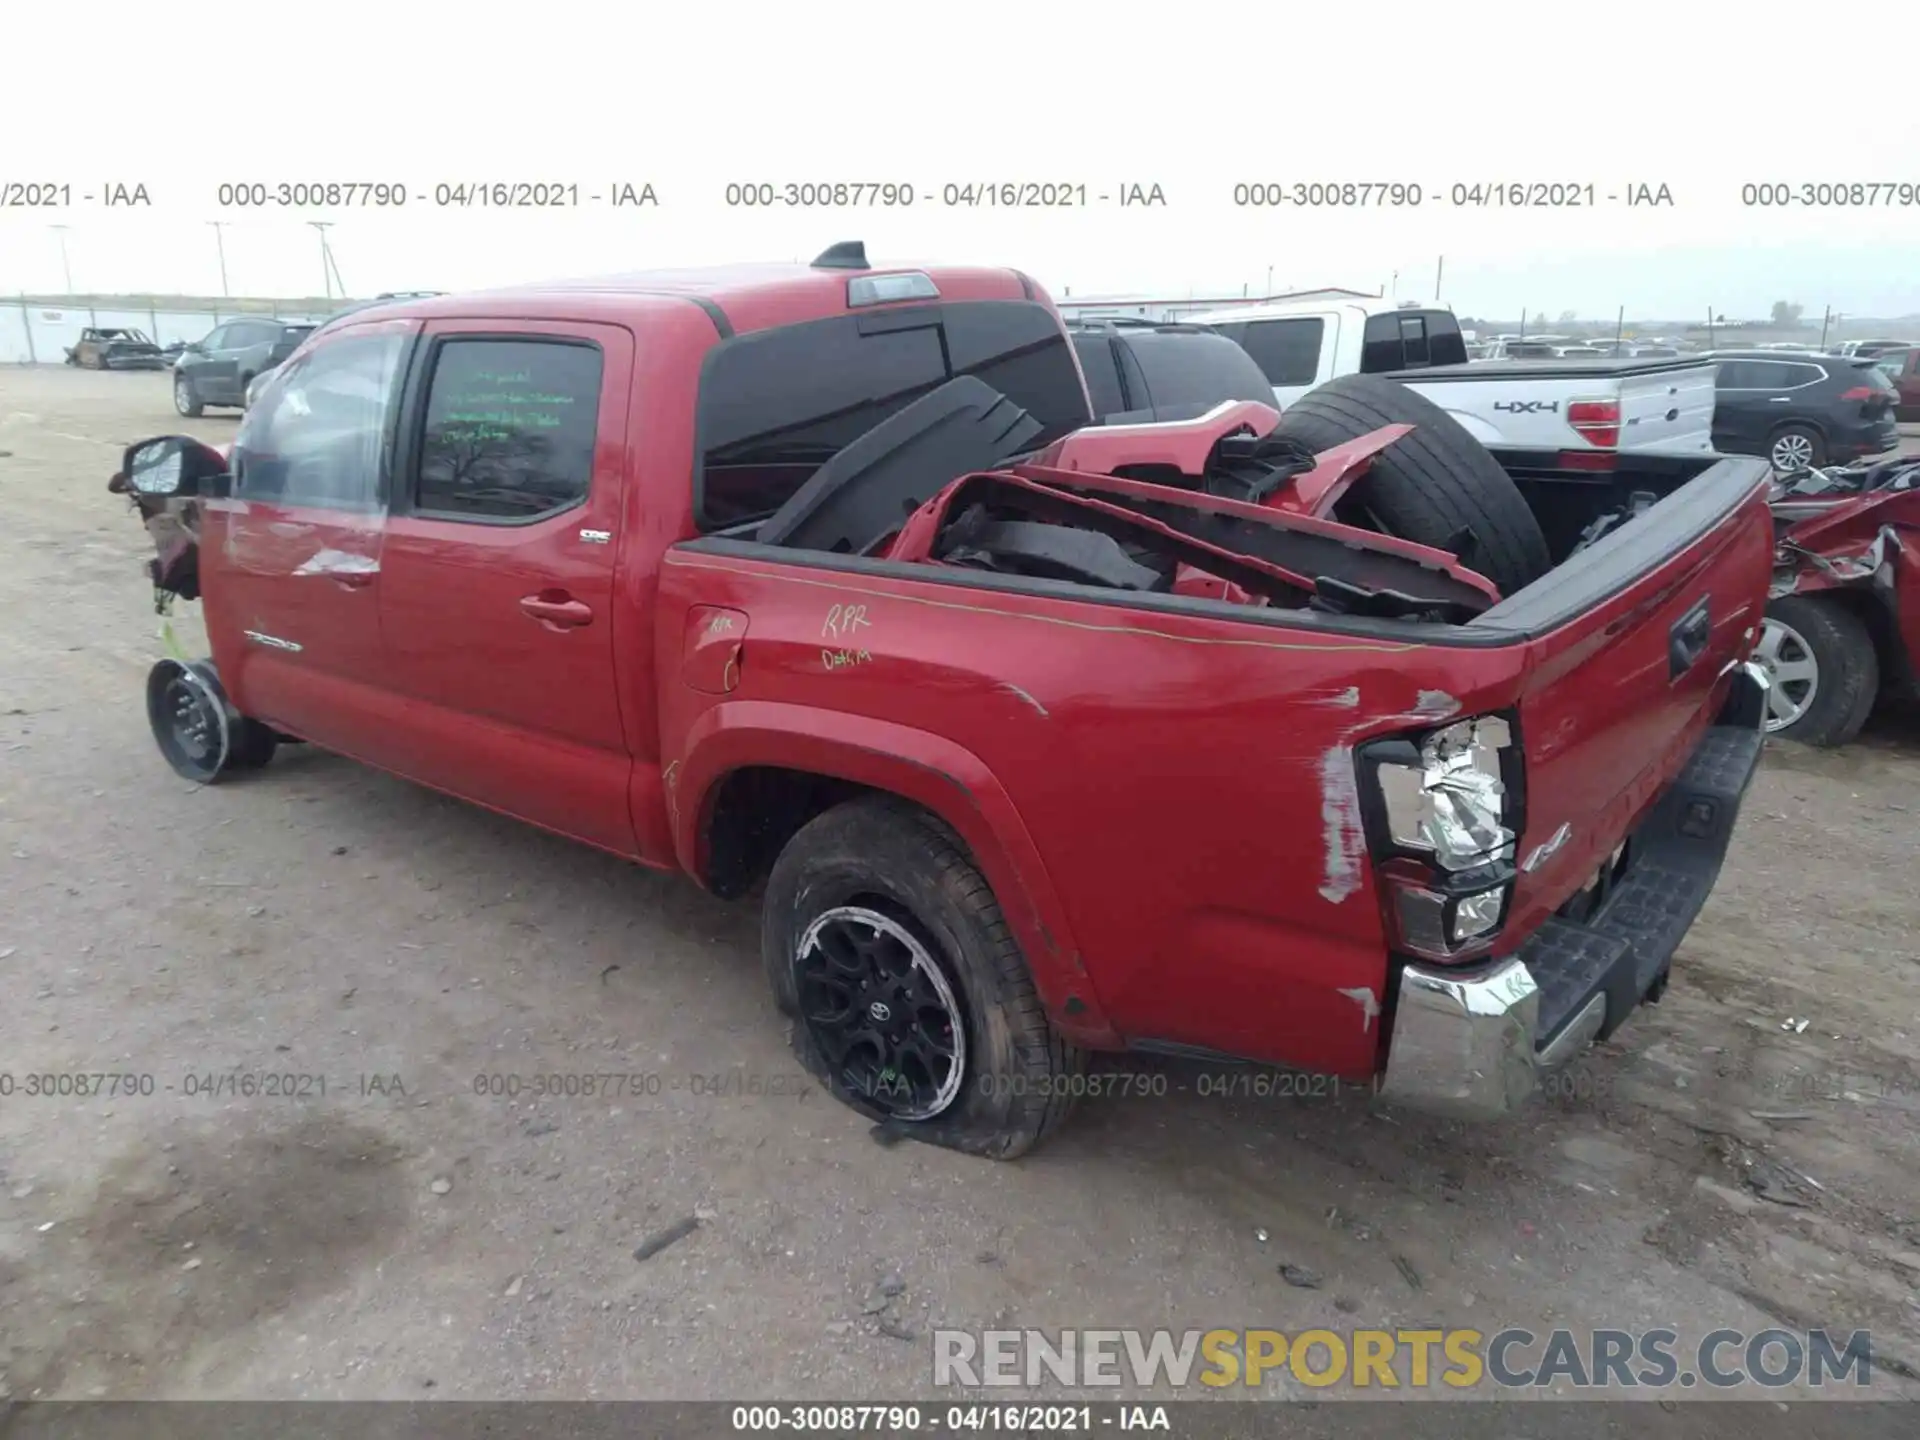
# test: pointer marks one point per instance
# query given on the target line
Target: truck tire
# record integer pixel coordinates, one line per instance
(910, 999)
(1433, 487)
(1824, 668)
(198, 731)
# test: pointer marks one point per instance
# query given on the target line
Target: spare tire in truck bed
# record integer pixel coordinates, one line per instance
(1437, 486)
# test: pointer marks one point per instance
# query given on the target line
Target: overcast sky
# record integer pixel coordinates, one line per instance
(1195, 99)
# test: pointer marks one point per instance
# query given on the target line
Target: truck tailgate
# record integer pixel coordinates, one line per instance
(1631, 648)
(1668, 410)
(1661, 405)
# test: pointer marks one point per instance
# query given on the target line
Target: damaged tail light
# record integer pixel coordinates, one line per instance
(1443, 809)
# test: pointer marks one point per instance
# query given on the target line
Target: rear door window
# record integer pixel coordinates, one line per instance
(1784, 375)
(510, 429)
(777, 404)
(1195, 371)
(1287, 351)
(1097, 362)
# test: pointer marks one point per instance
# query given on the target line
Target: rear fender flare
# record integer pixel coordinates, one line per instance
(946, 779)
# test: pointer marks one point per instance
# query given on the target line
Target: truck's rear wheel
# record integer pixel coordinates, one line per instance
(910, 999)
(1435, 487)
(1823, 669)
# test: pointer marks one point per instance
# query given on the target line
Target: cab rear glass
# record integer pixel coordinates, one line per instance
(1411, 340)
(777, 404)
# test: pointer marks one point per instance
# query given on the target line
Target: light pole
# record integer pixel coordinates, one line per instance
(326, 257)
(220, 244)
(66, 266)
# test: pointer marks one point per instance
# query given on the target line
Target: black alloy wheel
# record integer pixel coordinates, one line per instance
(881, 1011)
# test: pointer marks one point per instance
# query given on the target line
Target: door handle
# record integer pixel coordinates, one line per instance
(558, 610)
(1688, 638)
(1780, 400)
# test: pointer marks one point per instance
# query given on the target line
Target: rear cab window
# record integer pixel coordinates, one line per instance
(1411, 340)
(777, 404)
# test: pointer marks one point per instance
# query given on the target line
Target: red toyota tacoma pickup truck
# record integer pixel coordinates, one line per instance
(1044, 738)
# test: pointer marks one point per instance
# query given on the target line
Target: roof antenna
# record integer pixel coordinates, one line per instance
(847, 255)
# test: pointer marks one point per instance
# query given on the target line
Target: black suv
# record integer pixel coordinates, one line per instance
(1141, 370)
(1801, 410)
(218, 369)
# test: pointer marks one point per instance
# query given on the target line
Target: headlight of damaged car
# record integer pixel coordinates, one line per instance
(1453, 804)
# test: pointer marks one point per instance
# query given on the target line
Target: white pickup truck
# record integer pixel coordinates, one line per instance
(1658, 405)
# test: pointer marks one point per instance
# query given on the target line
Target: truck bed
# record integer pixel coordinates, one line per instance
(1240, 910)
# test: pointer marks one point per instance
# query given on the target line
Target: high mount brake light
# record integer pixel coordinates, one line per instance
(885, 289)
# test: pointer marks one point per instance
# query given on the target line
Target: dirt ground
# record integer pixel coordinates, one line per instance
(403, 1236)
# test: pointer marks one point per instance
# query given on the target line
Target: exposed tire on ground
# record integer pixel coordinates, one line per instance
(873, 907)
(1435, 487)
(253, 745)
(185, 399)
(197, 730)
(1796, 447)
(1824, 670)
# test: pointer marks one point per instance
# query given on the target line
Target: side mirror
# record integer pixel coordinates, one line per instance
(171, 467)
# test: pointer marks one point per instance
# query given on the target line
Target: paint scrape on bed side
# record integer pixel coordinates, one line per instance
(1343, 837)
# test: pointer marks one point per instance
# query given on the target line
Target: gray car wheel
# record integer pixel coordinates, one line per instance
(1794, 671)
(1823, 670)
(185, 399)
(1795, 447)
